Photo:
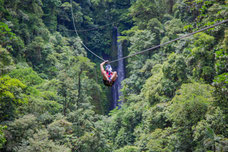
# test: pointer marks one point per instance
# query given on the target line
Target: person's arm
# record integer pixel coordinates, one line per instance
(102, 69)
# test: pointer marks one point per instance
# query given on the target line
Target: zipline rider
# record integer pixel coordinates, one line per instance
(109, 77)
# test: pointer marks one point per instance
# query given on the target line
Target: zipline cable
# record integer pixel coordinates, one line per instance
(161, 45)
(75, 29)
(96, 28)
(92, 29)
(146, 50)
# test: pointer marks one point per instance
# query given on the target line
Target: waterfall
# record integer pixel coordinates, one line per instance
(116, 93)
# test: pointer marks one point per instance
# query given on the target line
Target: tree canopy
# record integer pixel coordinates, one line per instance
(52, 98)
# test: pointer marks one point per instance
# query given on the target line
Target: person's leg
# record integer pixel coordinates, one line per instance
(114, 76)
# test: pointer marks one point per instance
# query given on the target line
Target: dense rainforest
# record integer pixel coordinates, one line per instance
(52, 98)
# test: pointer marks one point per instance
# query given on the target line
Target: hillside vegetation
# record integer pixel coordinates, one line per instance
(175, 98)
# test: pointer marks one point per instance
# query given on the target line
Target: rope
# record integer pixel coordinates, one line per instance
(95, 28)
(161, 45)
(92, 29)
(75, 29)
(146, 50)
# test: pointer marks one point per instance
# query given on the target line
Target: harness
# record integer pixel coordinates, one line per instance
(109, 75)
(108, 69)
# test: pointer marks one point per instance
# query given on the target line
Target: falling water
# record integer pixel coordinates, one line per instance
(120, 71)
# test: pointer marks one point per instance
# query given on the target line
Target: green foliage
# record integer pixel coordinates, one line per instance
(2, 136)
(40, 142)
(87, 133)
(174, 70)
(75, 89)
(11, 96)
(153, 86)
(189, 107)
(2, 10)
(220, 81)
(161, 141)
(27, 76)
(202, 58)
(150, 8)
(225, 42)
(19, 130)
(120, 128)
(191, 97)
(6, 36)
(50, 10)
(59, 129)
(156, 117)
(140, 40)
(221, 91)
(50, 96)
(38, 105)
(6, 61)
(152, 118)
(173, 27)
(128, 149)
(165, 79)
(34, 50)
(208, 133)
(221, 61)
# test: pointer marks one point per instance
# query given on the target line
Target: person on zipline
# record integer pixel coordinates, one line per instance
(109, 77)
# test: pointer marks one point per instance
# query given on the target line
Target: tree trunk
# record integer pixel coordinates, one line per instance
(65, 107)
(171, 3)
(79, 85)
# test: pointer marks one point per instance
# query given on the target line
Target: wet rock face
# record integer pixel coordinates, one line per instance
(116, 93)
